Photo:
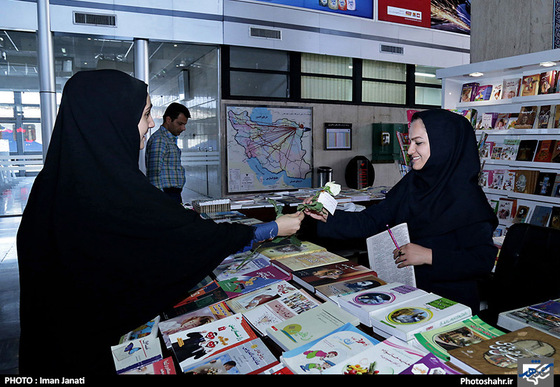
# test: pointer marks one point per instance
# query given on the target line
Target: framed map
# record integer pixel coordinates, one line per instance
(268, 148)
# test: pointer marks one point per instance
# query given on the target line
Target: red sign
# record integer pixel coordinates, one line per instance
(411, 12)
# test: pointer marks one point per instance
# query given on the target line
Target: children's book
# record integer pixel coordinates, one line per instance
(137, 348)
(245, 283)
(199, 343)
(305, 261)
(499, 355)
(362, 304)
(248, 358)
(389, 357)
(205, 295)
(328, 274)
(335, 290)
(510, 148)
(430, 365)
(483, 93)
(260, 296)
(193, 319)
(380, 254)
(325, 352)
(309, 325)
(281, 309)
(283, 250)
(547, 84)
(468, 91)
(418, 315)
(460, 334)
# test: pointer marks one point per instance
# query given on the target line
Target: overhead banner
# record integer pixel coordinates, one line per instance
(411, 12)
(359, 8)
(446, 15)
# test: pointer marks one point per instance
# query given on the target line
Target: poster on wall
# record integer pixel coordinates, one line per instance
(359, 8)
(447, 15)
(268, 148)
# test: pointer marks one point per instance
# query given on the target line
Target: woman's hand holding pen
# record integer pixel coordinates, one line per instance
(322, 216)
(412, 254)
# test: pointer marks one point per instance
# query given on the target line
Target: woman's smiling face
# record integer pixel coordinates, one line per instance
(419, 149)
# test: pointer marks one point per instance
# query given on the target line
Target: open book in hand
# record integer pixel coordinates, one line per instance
(380, 253)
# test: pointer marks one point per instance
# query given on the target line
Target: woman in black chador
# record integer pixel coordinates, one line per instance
(449, 218)
(101, 250)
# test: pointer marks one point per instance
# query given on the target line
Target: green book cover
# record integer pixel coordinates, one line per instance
(460, 334)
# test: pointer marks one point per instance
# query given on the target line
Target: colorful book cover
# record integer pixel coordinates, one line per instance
(460, 334)
(544, 184)
(240, 264)
(260, 296)
(254, 280)
(327, 351)
(202, 342)
(429, 365)
(499, 355)
(283, 250)
(418, 315)
(547, 84)
(353, 285)
(193, 319)
(483, 93)
(389, 357)
(322, 275)
(526, 118)
(248, 358)
(363, 303)
(529, 85)
(281, 309)
(305, 261)
(511, 88)
(545, 150)
(545, 117)
(309, 326)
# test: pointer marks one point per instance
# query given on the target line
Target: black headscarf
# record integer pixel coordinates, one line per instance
(102, 251)
(444, 195)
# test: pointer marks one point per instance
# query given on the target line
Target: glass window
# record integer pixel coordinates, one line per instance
(30, 98)
(326, 88)
(325, 64)
(6, 97)
(258, 59)
(259, 84)
(382, 92)
(424, 74)
(374, 69)
(427, 95)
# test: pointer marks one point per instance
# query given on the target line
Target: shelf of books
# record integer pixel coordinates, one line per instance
(514, 107)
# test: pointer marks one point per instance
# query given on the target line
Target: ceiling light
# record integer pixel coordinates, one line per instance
(425, 75)
(547, 64)
(476, 74)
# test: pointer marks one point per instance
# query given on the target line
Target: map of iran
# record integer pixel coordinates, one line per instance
(268, 148)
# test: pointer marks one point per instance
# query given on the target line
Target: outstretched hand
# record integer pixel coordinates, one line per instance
(289, 224)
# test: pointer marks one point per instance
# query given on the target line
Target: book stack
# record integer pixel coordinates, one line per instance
(328, 318)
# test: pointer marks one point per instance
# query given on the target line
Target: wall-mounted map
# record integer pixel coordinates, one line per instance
(268, 148)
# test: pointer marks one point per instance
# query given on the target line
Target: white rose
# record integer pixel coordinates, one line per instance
(334, 188)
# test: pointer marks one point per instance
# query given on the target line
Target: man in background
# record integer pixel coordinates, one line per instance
(163, 156)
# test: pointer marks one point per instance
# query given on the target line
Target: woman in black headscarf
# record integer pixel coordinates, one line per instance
(449, 218)
(101, 250)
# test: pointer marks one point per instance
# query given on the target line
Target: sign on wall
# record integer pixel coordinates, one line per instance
(359, 8)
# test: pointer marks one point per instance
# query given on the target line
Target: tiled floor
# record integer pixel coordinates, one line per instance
(9, 296)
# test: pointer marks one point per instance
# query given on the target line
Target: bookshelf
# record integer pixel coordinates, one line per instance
(494, 72)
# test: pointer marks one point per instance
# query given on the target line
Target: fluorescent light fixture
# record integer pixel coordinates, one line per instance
(425, 75)
(476, 74)
(547, 64)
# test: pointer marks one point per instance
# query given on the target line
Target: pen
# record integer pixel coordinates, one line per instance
(393, 238)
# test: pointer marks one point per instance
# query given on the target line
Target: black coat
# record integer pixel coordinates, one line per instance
(101, 251)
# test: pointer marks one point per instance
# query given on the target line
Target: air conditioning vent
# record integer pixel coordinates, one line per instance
(91, 19)
(265, 33)
(391, 49)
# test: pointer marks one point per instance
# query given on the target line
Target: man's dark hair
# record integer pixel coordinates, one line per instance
(174, 110)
